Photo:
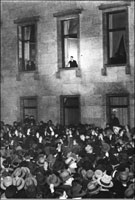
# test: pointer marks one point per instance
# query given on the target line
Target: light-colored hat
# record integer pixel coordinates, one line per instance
(105, 181)
(6, 182)
(18, 182)
(93, 187)
(19, 172)
(97, 174)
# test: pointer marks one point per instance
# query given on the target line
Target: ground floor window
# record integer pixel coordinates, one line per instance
(119, 104)
(70, 110)
(28, 107)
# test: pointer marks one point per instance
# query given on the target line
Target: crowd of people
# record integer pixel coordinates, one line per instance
(43, 160)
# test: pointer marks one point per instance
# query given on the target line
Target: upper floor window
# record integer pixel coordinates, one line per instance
(27, 44)
(70, 42)
(68, 38)
(115, 37)
(116, 33)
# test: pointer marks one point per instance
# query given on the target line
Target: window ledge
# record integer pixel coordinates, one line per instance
(67, 12)
(115, 65)
(68, 68)
(34, 73)
(114, 5)
(27, 72)
(27, 20)
(76, 69)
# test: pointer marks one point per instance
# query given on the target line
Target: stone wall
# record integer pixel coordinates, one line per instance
(92, 86)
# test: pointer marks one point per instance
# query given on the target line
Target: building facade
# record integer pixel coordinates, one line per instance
(38, 40)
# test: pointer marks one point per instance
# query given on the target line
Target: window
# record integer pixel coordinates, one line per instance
(121, 104)
(68, 38)
(115, 37)
(69, 42)
(70, 110)
(28, 106)
(27, 43)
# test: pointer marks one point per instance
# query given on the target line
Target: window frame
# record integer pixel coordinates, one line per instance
(22, 105)
(27, 22)
(105, 16)
(61, 16)
(108, 105)
(62, 114)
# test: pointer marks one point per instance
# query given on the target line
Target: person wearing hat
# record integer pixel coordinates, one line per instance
(76, 190)
(106, 184)
(121, 181)
(11, 192)
(93, 188)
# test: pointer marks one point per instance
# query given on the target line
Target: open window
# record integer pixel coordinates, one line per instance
(68, 38)
(70, 110)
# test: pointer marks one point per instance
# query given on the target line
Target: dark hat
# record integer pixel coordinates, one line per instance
(130, 191)
(31, 191)
(58, 165)
(11, 191)
(30, 181)
(40, 177)
(105, 147)
(76, 190)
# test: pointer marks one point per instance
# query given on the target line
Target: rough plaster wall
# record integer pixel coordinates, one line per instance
(92, 86)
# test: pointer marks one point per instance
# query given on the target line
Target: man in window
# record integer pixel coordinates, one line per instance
(72, 62)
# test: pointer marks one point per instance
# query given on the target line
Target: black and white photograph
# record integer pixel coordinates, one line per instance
(67, 76)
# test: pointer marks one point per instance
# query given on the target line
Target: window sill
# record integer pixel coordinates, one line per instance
(25, 72)
(76, 69)
(68, 68)
(115, 65)
(35, 74)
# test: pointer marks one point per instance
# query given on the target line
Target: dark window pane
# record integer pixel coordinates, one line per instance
(117, 20)
(27, 47)
(71, 102)
(117, 47)
(30, 103)
(71, 27)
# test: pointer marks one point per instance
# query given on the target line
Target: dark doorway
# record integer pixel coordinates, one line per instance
(70, 110)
